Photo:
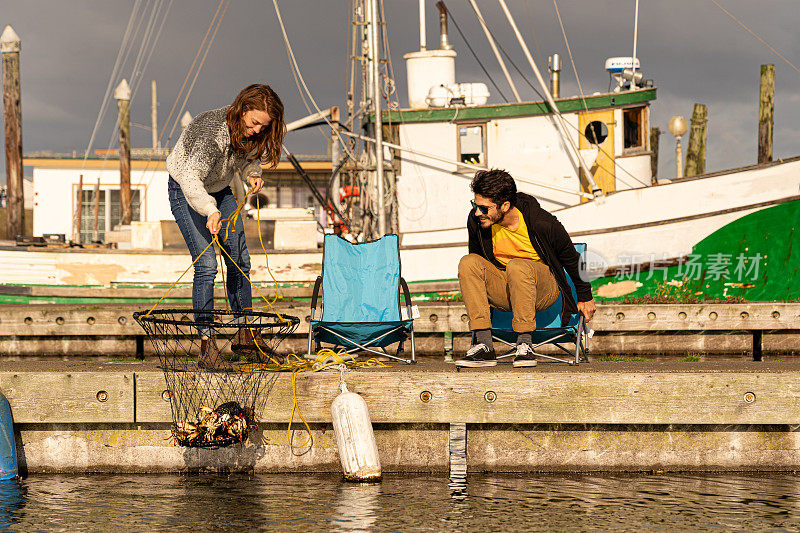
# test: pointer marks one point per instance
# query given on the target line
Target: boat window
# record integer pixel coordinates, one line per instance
(635, 127)
(472, 144)
(596, 132)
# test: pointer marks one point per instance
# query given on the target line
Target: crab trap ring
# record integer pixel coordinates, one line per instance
(208, 367)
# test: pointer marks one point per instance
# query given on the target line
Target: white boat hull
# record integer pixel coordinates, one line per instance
(628, 227)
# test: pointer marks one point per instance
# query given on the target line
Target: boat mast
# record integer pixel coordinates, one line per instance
(374, 96)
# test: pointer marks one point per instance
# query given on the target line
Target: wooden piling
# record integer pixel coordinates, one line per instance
(96, 199)
(655, 135)
(766, 107)
(123, 97)
(78, 216)
(10, 46)
(698, 133)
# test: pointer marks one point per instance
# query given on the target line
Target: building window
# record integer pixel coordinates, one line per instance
(472, 144)
(108, 212)
(635, 128)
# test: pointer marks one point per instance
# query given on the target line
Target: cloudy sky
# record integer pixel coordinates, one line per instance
(691, 49)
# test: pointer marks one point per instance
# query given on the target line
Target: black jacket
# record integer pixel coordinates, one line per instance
(550, 240)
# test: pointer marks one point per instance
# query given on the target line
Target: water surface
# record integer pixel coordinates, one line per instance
(602, 502)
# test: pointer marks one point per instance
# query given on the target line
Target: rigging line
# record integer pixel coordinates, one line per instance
(178, 97)
(389, 66)
(144, 43)
(136, 74)
(199, 68)
(491, 78)
(133, 77)
(300, 76)
(111, 78)
(740, 23)
(533, 33)
(189, 72)
(151, 43)
(465, 165)
(571, 60)
(563, 120)
(135, 35)
(158, 33)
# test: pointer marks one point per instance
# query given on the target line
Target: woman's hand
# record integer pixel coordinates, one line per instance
(255, 183)
(213, 223)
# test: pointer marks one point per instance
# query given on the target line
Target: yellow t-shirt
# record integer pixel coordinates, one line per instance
(510, 244)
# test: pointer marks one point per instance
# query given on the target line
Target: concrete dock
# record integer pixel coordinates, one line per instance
(666, 414)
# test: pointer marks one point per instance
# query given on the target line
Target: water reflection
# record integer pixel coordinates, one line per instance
(12, 500)
(296, 502)
(356, 505)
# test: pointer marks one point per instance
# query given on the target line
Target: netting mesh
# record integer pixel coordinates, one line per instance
(214, 370)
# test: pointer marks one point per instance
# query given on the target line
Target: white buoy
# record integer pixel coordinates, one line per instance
(354, 437)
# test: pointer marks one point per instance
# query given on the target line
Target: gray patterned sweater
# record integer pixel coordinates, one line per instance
(203, 161)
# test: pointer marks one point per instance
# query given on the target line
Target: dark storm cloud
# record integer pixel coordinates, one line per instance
(693, 51)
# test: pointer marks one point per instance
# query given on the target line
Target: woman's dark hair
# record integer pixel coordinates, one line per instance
(270, 139)
(496, 184)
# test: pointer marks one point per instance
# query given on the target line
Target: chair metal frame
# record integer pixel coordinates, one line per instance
(580, 335)
(364, 346)
(577, 355)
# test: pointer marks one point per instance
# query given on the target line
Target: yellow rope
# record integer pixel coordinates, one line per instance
(294, 363)
(231, 220)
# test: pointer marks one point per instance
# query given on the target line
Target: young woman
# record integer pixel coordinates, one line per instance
(216, 147)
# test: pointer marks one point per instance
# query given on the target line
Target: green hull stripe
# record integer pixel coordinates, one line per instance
(754, 258)
(525, 109)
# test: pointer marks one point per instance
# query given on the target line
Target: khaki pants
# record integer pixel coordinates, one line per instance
(526, 286)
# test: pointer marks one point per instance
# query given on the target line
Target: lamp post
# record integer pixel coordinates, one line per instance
(677, 127)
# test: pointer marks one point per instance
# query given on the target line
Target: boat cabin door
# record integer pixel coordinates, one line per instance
(597, 131)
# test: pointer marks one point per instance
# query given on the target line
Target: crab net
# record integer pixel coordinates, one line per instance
(215, 371)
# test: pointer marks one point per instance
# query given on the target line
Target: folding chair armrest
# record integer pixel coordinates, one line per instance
(407, 294)
(315, 295)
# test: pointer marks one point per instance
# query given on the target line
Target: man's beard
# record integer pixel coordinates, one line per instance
(494, 221)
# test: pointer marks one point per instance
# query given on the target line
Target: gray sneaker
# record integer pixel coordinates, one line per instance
(524, 356)
(478, 355)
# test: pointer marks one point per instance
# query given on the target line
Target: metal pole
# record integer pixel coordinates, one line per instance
(635, 40)
(555, 75)
(678, 157)
(311, 119)
(336, 155)
(422, 36)
(123, 96)
(564, 134)
(154, 115)
(10, 46)
(376, 108)
(494, 49)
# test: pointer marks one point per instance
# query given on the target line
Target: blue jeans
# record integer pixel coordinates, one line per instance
(193, 228)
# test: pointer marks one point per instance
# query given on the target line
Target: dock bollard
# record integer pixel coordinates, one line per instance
(354, 437)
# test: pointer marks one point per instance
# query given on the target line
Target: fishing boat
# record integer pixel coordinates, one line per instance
(587, 158)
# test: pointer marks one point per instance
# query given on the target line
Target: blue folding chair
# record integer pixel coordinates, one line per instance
(548, 328)
(361, 286)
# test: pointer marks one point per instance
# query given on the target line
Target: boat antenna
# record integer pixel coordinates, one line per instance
(635, 40)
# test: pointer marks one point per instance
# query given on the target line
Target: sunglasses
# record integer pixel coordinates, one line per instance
(482, 208)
